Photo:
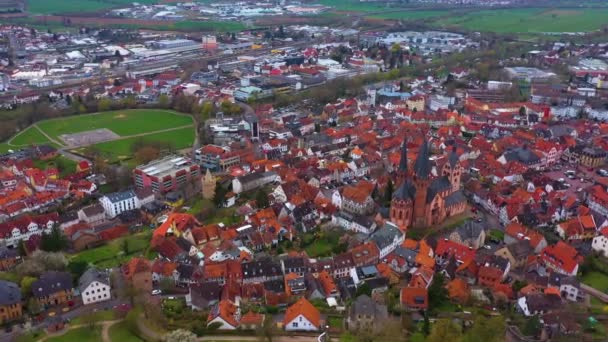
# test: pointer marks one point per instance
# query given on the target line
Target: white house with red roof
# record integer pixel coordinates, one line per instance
(600, 242)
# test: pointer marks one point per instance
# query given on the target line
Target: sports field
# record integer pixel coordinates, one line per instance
(122, 122)
(528, 20)
(179, 139)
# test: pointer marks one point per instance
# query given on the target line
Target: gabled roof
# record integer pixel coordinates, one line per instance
(91, 275)
(305, 308)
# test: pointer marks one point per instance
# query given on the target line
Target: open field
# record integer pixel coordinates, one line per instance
(76, 6)
(527, 20)
(596, 280)
(29, 136)
(120, 333)
(410, 15)
(122, 122)
(78, 334)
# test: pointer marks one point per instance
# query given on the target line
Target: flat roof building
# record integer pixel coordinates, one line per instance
(166, 174)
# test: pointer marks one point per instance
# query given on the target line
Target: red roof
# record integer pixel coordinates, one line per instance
(561, 257)
(447, 248)
(305, 308)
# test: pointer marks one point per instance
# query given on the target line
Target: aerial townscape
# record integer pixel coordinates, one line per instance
(320, 170)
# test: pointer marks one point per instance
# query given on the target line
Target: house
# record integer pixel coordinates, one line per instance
(577, 228)
(8, 258)
(119, 202)
(24, 227)
(10, 302)
(458, 291)
(471, 234)
(517, 253)
(493, 271)
(365, 254)
(569, 287)
(252, 320)
(365, 314)
(515, 232)
(561, 258)
(253, 181)
(138, 272)
(538, 304)
(94, 286)
(357, 200)
(260, 271)
(355, 223)
(201, 296)
(600, 242)
(387, 239)
(414, 298)
(226, 314)
(53, 288)
(93, 214)
(302, 316)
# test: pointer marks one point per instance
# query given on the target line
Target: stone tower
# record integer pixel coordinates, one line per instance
(453, 170)
(208, 185)
(422, 181)
(402, 170)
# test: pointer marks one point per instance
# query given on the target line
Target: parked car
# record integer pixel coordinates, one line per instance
(156, 292)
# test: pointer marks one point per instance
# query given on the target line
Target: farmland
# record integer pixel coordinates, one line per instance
(76, 6)
(123, 122)
(532, 20)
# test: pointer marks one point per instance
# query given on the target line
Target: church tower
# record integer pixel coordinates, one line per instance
(402, 170)
(208, 185)
(453, 170)
(422, 175)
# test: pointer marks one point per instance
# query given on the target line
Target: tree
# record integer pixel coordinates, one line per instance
(104, 104)
(166, 284)
(146, 154)
(55, 241)
(77, 268)
(445, 330)
(388, 193)
(261, 198)
(163, 101)
(33, 307)
(438, 294)
(125, 246)
(26, 285)
(426, 326)
(267, 330)
(206, 111)
(532, 327)
(180, 335)
(487, 329)
(364, 289)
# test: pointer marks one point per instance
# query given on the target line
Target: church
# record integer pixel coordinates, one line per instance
(423, 199)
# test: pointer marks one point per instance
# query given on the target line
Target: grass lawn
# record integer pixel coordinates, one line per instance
(120, 333)
(179, 138)
(78, 334)
(100, 316)
(73, 6)
(111, 254)
(31, 337)
(224, 215)
(528, 20)
(410, 15)
(199, 204)
(318, 248)
(335, 322)
(121, 122)
(29, 136)
(66, 166)
(353, 6)
(597, 280)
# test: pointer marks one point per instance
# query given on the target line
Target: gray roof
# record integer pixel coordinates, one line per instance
(437, 186)
(255, 176)
(522, 154)
(455, 198)
(364, 305)
(385, 235)
(453, 157)
(422, 167)
(6, 253)
(92, 210)
(470, 230)
(406, 191)
(403, 159)
(121, 196)
(520, 249)
(91, 275)
(10, 293)
(51, 282)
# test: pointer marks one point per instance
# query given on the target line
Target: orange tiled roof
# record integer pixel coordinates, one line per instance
(305, 308)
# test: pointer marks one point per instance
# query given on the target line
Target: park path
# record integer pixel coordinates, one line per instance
(105, 330)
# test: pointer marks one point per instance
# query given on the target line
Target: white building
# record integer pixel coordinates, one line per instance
(118, 202)
(387, 238)
(600, 242)
(94, 286)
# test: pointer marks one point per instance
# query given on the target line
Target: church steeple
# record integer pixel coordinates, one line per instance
(403, 160)
(422, 167)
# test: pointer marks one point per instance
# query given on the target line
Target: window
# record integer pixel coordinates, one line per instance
(294, 324)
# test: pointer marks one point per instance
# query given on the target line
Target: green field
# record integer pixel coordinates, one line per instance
(121, 122)
(120, 333)
(112, 254)
(353, 6)
(528, 20)
(75, 6)
(29, 136)
(410, 15)
(596, 280)
(78, 334)
(179, 139)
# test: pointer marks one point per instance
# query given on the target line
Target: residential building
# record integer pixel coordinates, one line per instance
(538, 304)
(138, 272)
(365, 314)
(600, 242)
(21, 229)
(166, 174)
(201, 296)
(94, 286)
(471, 234)
(387, 239)
(225, 313)
(253, 181)
(414, 298)
(302, 316)
(10, 302)
(53, 288)
(118, 202)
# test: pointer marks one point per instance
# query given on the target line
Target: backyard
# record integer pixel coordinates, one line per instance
(112, 254)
